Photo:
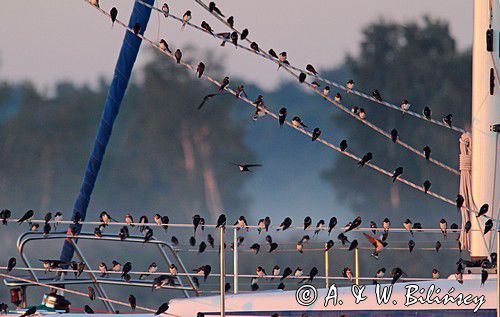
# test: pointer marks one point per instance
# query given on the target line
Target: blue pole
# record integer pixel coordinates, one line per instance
(123, 69)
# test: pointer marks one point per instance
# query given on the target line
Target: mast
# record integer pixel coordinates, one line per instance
(485, 113)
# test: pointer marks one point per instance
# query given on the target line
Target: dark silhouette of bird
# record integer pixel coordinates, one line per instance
(315, 135)
(230, 21)
(162, 309)
(310, 68)
(132, 301)
(11, 264)
(192, 241)
(224, 83)
(411, 245)
(343, 145)
(467, 226)
(459, 201)
(287, 222)
(307, 222)
(273, 246)
(427, 152)
(127, 267)
(282, 116)
(332, 224)
(254, 46)
(366, 158)
(5, 215)
(354, 224)
(91, 292)
(174, 241)
(124, 233)
(343, 238)
(437, 246)
(448, 120)
(488, 225)
(200, 69)
(213, 8)
(286, 273)
(302, 77)
(26, 217)
(398, 172)
(207, 27)
(427, 186)
(178, 56)
(396, 274)
(245, 167)
(354, 245)
(319, 226)
(113, 13)
(148, 234)
(394, 135)
(88, 310)
(234, 38)
(30, 311)
(221, 221)
(483, 210)
(273, 53)
(427, 113)
(349, 85)
(244, 34)
(137, 28)
(211, 240)
(484, 276)
(373, 225)
(255, 247)
(376, 95)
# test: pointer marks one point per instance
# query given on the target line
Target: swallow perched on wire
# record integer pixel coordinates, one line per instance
(302, 77)
(26, 217)
(319, 226)
(405, 105)
(287, 222)
(297, 122)
(427, 186)
(244, 34)
(213, 8)
(240, 91)
(427, 152)
(234, 38)
(178, 56)
(5, 215)
(427, 113)
(207, 27)
(315, 135)
(394, 135)
(310, 68)
(186, 18)
(376, 94)
(230, 21)
(164, 46)
(137, 28)
(365, 159)
(113, 13)
(165, 9)
(459, 201)
(282, 116)
(448, 120)
(254, 46)
(397, 172)
(483, 210)
(349, 85)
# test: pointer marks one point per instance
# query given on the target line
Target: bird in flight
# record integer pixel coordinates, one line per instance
(245, 167)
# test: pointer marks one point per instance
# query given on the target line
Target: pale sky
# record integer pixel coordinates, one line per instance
(48, 41)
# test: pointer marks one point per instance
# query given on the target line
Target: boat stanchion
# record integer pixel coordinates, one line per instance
(327, 266)
(235, 260)
(222, 274)
(356, 264)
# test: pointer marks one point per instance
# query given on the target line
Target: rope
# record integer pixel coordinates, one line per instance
(339, 86)
(317, 91)
(78, 293)
(288, 123)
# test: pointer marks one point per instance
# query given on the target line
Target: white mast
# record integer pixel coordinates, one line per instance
(485, 113)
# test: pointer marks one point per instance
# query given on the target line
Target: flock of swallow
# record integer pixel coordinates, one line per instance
(264, 224)
(378, 243)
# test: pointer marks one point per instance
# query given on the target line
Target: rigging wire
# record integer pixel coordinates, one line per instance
(288, 123)
(317, 91)
(339, 86)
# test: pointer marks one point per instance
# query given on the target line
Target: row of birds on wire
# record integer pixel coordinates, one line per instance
(263, 224)
(282, 58)
(297, 122)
